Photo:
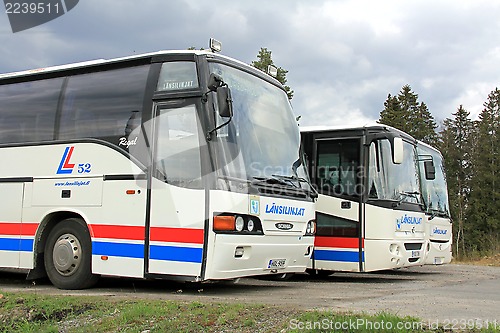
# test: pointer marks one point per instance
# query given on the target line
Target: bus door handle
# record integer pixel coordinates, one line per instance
(345, 205)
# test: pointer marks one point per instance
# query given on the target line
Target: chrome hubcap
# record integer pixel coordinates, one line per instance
(67, 254)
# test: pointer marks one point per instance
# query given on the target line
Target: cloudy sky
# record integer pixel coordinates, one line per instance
(343, 56)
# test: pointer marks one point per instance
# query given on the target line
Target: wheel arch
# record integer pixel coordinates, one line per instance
(46, 226)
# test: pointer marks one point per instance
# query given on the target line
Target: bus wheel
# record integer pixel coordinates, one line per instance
(68, 255)
(319, 272)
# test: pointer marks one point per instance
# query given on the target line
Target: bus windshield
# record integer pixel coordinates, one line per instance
(434, 192)
(262, 141)
(389, 181)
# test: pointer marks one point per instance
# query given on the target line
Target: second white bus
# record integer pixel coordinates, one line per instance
(369, 212)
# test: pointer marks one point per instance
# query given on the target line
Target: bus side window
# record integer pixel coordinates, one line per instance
(178, 159)
(29, 110)
(100, 105)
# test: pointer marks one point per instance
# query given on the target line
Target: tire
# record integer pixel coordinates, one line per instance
(68, 255)
(319, 272)
(276, 277)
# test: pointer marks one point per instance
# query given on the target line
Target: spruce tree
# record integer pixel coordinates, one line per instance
(455, 145)
(405, 113)
(485, 187)
(264, 60)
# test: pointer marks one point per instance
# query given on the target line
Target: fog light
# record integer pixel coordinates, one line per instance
(238, 253)
(394, 249)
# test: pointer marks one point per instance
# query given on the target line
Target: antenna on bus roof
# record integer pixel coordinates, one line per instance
(215, 45)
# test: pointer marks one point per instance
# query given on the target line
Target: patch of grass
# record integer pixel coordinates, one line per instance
(39, 313)
(481, 259)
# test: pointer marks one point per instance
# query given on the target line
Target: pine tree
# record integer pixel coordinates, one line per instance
(264, 60)
(485, 188)
(405, 113)
(455, 144)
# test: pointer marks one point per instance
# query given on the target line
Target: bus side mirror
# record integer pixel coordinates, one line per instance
(215, 82)
(430, 170)
(397, 151)
(225, 102)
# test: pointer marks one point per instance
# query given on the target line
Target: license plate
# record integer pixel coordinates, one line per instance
(415, 254)
(438, 260)
(276, 263)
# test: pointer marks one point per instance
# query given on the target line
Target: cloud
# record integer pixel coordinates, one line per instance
(343, 56)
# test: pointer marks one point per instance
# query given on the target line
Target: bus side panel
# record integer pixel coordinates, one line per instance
(336, 253)
(11, 241)
(176, 230)
(118, 233)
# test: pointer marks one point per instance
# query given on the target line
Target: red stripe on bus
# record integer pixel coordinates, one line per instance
(117, 231)
(18, 229)
(177, 235)
(157, 234)
(338, 242)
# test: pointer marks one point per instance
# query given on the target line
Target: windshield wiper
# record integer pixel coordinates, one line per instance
(437, 213)
(273, 180)
(404, 195)
(312, 191)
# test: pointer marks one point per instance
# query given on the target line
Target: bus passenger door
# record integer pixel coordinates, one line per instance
(177, 203)
(11, 207)
(338, 242)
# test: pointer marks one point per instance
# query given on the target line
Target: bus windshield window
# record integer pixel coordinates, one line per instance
(389, 181)
(262, 140)
(434, 192)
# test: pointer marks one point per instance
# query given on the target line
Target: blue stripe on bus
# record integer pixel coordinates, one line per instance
(332, 255)
(118, 249)
(176, 253)
(11, 244)
(157, 252)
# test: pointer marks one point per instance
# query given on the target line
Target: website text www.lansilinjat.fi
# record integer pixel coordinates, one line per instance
(382, 325)
(73, 183)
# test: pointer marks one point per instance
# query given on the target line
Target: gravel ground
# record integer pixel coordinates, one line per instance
(436, 294)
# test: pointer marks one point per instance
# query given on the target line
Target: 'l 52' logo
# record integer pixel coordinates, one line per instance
(25, 14)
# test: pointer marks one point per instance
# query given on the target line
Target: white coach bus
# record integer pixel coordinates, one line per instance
(175, 164)
(369, 212)
(438, 226)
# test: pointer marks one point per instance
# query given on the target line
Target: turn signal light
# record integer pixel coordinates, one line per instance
(224, 223)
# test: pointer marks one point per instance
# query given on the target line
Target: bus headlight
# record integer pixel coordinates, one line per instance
(230, 223)
(311, 228)
(240, 223)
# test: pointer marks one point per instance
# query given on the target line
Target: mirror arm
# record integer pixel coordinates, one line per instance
(209, 133)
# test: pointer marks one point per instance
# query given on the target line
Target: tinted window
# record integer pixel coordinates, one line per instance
(105, 105)
(27, 111)
(178, 148)
(338, 168)
(329, 225)
(177, 76)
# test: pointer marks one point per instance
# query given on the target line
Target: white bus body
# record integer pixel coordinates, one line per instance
(369, 215)
(128, 167)
(438, 226)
